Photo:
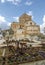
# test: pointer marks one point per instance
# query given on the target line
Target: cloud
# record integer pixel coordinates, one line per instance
(2, 19)
(28, 3)
(30, 13)
(4, 24)
(2, 1)
(42, 25)
(16, 19)
(44, 18)
(9, 24)
(15, 2)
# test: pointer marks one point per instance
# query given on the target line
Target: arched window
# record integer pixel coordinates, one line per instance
(20, 27)
(30, 23)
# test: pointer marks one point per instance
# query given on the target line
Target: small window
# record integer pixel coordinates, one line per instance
(30, 23)
(20, 27)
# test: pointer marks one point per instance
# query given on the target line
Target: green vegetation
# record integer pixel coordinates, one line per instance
(21, 55)
(1, 51)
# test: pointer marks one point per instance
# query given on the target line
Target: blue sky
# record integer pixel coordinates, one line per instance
(10, 10)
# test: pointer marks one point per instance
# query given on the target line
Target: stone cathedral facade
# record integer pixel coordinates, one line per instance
(25, 28)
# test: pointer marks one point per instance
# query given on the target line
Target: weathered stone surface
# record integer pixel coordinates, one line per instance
(35, 63)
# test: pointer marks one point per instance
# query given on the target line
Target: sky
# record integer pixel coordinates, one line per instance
(11, 10)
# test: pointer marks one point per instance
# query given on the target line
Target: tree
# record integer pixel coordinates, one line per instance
(11, 32)
(4, 34)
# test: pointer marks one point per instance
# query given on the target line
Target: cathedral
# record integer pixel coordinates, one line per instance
(25, 28)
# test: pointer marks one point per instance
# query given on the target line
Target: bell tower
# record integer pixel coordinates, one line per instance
(24, 18)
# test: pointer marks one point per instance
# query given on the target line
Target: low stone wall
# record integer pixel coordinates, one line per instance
(42, 62)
